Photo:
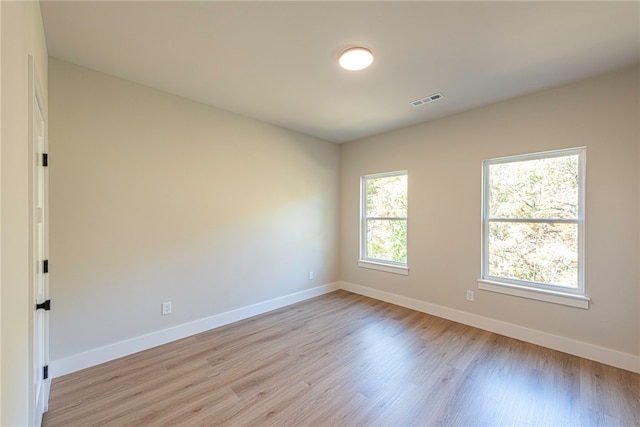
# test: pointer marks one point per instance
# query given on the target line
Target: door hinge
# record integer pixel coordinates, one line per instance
(45, 266)
(45, 372)
(46, 306)
(45, 159)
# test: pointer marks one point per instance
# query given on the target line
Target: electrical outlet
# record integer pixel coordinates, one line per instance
(470, 295)
(311, 275)
(166, 308)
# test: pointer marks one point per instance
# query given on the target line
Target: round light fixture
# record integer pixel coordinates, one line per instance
(356, 58)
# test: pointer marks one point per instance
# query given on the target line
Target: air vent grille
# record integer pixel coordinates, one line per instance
(427, 99)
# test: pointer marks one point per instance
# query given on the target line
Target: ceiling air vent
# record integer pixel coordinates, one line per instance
(427, 99)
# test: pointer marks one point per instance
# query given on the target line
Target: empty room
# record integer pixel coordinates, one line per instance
(345, 213)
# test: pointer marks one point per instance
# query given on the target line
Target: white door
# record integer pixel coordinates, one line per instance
(39, 257)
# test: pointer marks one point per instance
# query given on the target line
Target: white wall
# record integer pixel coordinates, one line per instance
(444, 159)
(22, 35)
(157, 198)
(1, 401)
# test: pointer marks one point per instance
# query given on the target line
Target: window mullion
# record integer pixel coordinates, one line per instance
(387, 218)
(534, 220)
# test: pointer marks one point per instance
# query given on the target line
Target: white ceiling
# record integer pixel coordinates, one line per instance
(277, 61)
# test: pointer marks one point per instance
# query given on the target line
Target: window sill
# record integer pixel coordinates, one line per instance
(396, 269)
(556, 297)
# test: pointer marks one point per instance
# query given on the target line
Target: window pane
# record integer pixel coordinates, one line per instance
(387, 240)
(536, 252)
(387, 197)
(542, 188)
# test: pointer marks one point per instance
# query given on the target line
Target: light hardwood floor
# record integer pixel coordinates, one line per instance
(346, 360)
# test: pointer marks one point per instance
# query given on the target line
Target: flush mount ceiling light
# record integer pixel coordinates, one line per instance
(356, 58)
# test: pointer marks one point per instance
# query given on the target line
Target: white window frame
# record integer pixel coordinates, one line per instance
(388, 266)
(522, 288)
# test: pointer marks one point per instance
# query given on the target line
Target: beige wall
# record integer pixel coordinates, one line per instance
(157, 198)
(22, 35)
(444, 159)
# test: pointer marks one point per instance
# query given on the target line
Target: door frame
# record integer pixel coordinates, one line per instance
(38, 404)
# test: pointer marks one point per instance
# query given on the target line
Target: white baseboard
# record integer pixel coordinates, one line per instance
(113, 351)
(608, 356)
(119, 349)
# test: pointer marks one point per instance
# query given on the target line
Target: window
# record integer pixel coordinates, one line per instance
(383, 224)
(533, 226)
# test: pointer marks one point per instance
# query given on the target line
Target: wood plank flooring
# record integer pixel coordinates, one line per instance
(346, 360)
